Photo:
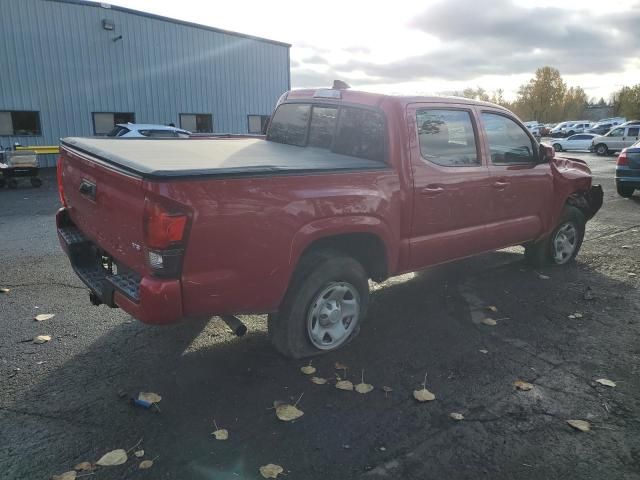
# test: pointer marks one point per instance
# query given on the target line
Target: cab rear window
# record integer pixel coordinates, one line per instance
(352, 131)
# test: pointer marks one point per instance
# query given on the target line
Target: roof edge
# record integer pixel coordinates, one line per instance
(88, 3)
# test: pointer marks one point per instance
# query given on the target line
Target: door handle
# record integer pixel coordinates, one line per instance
(432, 190)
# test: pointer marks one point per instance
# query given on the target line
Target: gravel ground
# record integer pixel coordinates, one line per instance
(66, 401)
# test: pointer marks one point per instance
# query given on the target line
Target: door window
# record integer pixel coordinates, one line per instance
(618, 132)
(447, 137)
(508, 142)
(633, 132)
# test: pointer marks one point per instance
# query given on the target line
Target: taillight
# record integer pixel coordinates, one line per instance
(622, 158)
(59, 167)
(164, 232)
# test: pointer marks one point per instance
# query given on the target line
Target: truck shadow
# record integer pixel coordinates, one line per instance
(427, 322)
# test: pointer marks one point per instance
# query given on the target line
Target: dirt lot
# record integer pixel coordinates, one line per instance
(60, 402)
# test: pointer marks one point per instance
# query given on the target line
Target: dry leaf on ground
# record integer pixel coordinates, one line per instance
(286, 412)
(581, 425)
(70, 475)
(386, 389)
(271, 470)
(149, 397)
(423, 395)
(363, 387)
(4, 290)
(522, 385)
(319, 380)
(84, 467)
(543, 277)
(44, 316)
(344, 385)
(456, 416)
(112, 458)
(145, 464)
(139, 453)
(41, 339)
(221, 434)
(492, 308)
(482, 350)
(490, 321)
(308, 370)
(606, 382)
(340, 366)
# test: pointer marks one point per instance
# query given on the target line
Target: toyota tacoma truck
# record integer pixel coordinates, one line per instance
(346, 186)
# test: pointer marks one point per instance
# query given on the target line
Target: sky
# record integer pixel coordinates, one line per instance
(435, 46)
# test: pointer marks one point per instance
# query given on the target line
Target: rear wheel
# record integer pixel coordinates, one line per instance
(557, 147)
(327, 299)
(36, 182)
(12, 183)
(602, 149)
(625, 192)
(562, 246)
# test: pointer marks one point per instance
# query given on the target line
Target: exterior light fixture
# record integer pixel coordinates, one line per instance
(108, 24)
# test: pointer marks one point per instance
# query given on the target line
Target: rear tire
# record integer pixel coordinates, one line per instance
(625, 192)
(557, 147)
(602, 149)
(329, 292)
(36, 182)
(562, 246)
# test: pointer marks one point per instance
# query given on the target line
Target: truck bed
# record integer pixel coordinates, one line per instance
(229, 157)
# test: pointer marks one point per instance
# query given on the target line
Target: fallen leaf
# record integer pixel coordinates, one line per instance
(319, 380)
(344, 385)
(522, 385)
(625, 247)
(308, 370)
(606, 382)
(149, 397)
(631, 274)
(4, 290)
(221, 434)
(386, 389)
(42, 339)
(456, 416)
(112, 458)
(543, 277)
(482, 350)
(492, 308)
(139, 453)
(577, 315)
(490, 321)
(271, 470)
(144, 464)
(340, 366)
(84, 467)
(44, 316)
(581, 425)
(287, 412)
(363, 388)
(70, 475)
(571, 317)
(423, 395)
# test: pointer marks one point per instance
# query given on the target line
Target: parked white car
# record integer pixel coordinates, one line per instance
(147, 130)
(579, 141)
(557, 131)
(577, 127)
(617, 139)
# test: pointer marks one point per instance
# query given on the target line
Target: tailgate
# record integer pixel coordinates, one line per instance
(107, 205)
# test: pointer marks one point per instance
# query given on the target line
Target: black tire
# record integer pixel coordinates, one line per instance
(316, 271)
(12, 183)
(557, 147)
(624, 191)
(542, 252)
(602, 149)
(36, 182)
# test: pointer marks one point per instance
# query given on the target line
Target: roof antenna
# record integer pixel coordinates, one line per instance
(340, 85)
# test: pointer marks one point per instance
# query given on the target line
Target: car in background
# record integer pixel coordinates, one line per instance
(534, 127)
(630, 122)
(579, 141)
(147, 130)
(546, 129)
(578, 127)
(616, 140)
(628, 171)
(600, 128)
(558, 130)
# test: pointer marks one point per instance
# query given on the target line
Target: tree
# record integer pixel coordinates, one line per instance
(476, 94)
(542, 98)
(575, 103)
(626, 102)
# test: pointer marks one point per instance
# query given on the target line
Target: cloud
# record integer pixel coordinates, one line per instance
(315, 60)
(470, 38)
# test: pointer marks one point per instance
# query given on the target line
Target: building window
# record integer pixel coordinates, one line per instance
(258, 123)
(197, 122)
(20, 123)
(104, 122)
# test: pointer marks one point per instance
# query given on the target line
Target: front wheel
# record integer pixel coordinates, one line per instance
(602, 149)
(624, 191)
(327, 299)
(557, 147)
(562, 246)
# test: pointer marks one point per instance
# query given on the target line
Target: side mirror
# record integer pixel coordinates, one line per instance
(546, 153)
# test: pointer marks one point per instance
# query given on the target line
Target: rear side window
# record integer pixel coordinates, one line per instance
(289, 124)
(356, 132)
(508, 142)
(633, 132)
(447, 137)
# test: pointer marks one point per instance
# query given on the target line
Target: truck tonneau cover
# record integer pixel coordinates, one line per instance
(160, 158)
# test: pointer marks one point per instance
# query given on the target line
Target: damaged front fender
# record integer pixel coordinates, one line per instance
(589, 201)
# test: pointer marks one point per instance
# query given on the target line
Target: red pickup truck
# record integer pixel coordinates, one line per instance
(347, 186)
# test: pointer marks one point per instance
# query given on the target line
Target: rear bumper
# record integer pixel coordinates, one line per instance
(628, 177)
(148, 299)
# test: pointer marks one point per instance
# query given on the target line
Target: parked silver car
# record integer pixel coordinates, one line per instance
(617, 139)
